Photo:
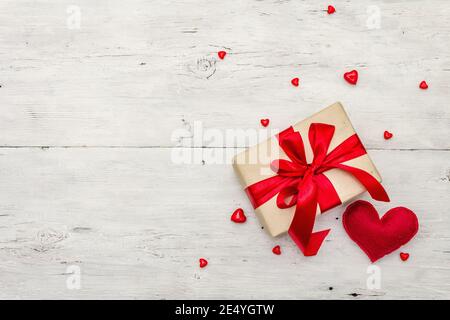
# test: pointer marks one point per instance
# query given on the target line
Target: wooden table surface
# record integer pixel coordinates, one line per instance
(98, 98)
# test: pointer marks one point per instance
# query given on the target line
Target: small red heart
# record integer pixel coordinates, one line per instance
(221, 54)
(423, 85)
(331, 10)
(295, 82)
(404, 256)
(379, 237)
(265, 122)
(203, 262)
(351, 77)
(238, 216)
(387, 135)
(276, 250)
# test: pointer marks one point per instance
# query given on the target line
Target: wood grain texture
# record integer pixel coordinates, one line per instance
(88, 87)
(90, 122)
(136, 225)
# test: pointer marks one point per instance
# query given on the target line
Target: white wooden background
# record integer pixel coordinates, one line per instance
(87, 128)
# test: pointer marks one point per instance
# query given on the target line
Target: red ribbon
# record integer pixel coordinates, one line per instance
(305, 186)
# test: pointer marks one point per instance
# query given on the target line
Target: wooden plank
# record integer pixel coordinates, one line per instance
(136, 223)
(134, 73)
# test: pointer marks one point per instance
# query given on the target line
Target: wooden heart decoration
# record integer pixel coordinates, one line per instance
(379, 237)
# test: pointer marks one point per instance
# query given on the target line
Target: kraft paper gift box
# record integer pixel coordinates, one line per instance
(251, 169)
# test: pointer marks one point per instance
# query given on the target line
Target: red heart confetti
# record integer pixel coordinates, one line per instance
(404, 256)
(423, 85)
(265, 122)
(295, 82)
(276, 250)
(203, 262)
(331, 10)
(387, 135)
(377, 236)
(221, 54)
(351, 77)
(238, 216)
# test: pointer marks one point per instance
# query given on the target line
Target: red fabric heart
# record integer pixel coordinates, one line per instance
(295, 82)
(351, 77)
(404, 256)
(221, 54)
(276, 250)
(265, 122)
(331, 10)
(379, 237)
(387, 135)
(238, 216)
(423, 85)
(203, 262)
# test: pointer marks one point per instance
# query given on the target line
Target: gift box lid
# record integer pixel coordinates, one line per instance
(253, 165)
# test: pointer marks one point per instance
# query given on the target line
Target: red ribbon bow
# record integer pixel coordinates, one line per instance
(305, 186)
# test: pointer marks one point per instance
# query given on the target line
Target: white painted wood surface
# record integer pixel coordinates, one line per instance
(90, 118)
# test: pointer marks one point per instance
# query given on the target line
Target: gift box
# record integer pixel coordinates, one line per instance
(307, 169)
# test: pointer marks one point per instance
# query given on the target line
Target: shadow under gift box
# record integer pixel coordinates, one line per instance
(253, 165)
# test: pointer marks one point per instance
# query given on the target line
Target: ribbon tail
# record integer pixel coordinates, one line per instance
(313, 245)
(301, 228)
